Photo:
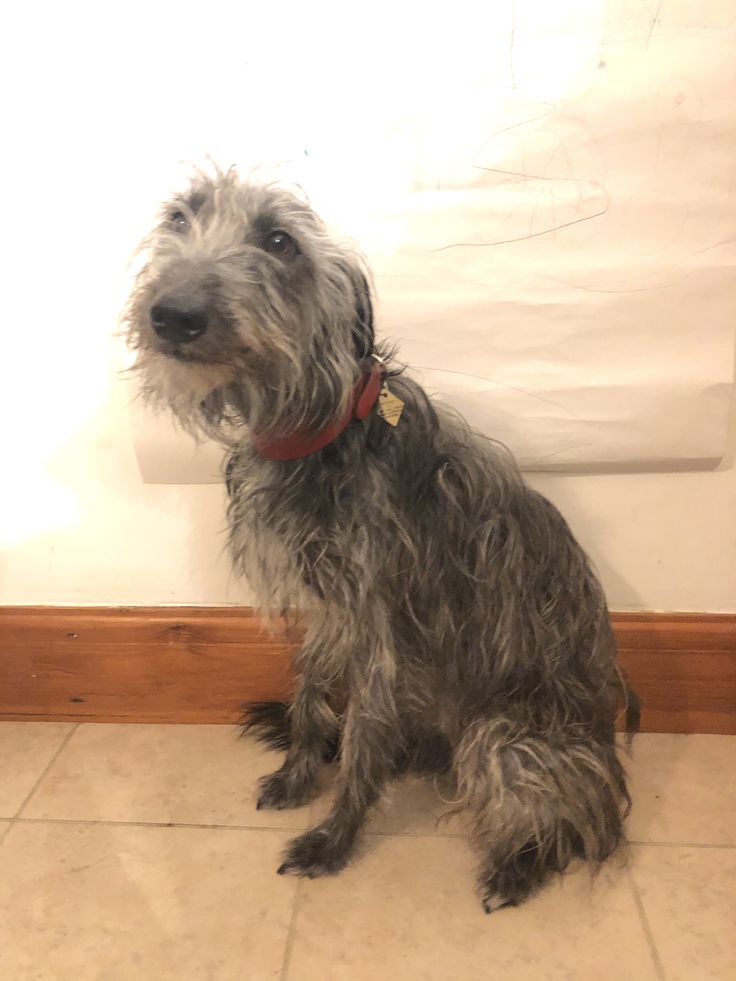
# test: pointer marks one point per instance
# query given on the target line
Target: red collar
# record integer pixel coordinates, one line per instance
(303, 442)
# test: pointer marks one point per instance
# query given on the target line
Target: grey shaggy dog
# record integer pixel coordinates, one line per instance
(454, 624)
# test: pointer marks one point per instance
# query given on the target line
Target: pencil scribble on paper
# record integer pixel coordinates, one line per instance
(545, 192)
(493, 381)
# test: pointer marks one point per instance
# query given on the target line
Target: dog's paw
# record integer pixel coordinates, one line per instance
(316, 852)
(277, 792)
(492, 901)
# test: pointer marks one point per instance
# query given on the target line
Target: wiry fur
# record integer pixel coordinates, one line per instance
(270, 723)
(451, 611)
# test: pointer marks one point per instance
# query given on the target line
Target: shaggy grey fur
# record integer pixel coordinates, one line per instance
(454, 624)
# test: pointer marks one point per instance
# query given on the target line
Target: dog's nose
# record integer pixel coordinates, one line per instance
(178, 326)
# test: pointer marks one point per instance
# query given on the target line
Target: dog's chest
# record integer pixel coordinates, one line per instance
(282, 538)
(306, 537)
(262, 556)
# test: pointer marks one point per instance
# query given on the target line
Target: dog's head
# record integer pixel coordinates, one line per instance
(246, 304)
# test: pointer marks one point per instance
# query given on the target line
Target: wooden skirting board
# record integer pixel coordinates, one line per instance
(198, 664)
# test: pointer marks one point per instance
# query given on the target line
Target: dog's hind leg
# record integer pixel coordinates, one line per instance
(537, 803)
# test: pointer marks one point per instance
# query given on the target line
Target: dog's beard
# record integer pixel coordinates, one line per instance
(181, 384)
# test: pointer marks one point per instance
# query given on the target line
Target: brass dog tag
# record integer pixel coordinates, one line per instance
(389, 406)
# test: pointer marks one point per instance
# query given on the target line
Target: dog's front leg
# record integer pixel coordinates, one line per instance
(368, 756)
(313, 724)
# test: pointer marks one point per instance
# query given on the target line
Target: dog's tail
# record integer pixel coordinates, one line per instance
(632, 707)
(270, 723)
(633, 713)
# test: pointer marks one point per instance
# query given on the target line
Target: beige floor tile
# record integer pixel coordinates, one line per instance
(25, 751)
(184, 774)
(684, 789)
(113, 903)
(689, 897)
(407, 909)
(413, 805)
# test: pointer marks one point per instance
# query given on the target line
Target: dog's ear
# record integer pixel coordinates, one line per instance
(363, 332)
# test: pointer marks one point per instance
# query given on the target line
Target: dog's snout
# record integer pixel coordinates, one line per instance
(176, 325)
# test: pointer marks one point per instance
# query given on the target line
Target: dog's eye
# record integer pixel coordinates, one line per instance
(281, 244)
(178, 221)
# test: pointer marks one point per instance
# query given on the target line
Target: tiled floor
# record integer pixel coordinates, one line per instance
(136, 852)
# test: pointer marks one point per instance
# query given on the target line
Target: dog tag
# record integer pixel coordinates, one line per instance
(389, 406)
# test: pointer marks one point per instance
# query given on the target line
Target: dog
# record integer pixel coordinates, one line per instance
(454, 624)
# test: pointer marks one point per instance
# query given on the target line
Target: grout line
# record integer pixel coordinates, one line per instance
(46, 769)
(296, 830)
(291, 933)
(218, 827)
(227, 827)
(156, 824)
(658, 967)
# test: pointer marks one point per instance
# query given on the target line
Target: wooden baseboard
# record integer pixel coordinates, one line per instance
(198, 664)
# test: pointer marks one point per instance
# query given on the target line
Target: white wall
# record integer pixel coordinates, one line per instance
(102, 102)
(79, 526)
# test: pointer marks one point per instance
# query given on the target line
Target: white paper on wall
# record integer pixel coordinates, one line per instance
(546, 195)
(168, 455)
